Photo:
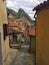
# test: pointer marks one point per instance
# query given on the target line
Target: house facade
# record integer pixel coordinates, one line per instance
(4, 39)
(42, 33)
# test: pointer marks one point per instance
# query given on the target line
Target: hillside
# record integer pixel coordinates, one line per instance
(19, 14)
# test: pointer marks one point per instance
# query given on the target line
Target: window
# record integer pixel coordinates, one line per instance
(5, 30)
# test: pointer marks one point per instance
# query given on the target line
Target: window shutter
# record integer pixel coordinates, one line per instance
(5, 30)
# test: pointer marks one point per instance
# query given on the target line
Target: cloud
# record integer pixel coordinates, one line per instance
(27, 5)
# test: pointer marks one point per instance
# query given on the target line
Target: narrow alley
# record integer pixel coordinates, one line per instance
(24, 32)
(22, 56)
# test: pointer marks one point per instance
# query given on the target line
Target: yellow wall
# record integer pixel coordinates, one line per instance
(42, 38)
(5, 43)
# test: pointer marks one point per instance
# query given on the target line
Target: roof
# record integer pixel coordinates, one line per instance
(41, 6)
(13, 25)
(32, 31)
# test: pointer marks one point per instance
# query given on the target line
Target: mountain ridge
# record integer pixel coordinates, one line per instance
(19, 14)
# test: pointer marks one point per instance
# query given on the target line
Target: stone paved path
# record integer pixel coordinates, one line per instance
(23, 57)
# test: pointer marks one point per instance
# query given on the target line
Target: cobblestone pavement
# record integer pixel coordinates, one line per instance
(23, 57)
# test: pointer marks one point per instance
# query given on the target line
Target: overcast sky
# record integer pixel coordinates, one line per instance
(27, 5)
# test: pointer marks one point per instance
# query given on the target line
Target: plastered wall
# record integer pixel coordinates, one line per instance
(4, 43)
(42, 37)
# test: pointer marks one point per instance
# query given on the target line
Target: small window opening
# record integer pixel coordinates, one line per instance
(5, 30)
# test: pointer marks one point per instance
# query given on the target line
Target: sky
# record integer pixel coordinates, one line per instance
(27, 5)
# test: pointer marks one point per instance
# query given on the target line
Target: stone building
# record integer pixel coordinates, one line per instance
(42, 33)
(4, 39)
